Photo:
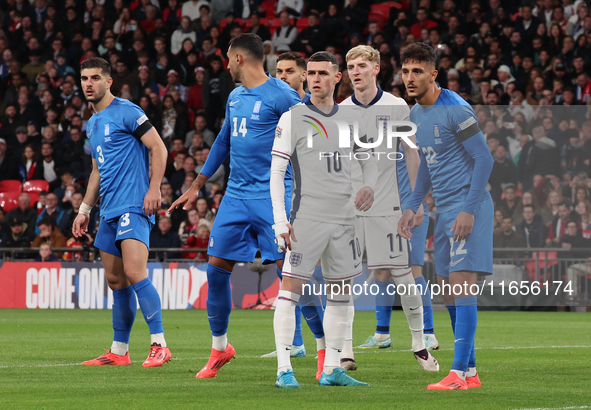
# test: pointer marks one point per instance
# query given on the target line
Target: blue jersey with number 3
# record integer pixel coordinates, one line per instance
(248, 133)
(122, 158)
(441, 129)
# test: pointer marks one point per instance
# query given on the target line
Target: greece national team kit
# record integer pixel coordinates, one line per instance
(123, 163)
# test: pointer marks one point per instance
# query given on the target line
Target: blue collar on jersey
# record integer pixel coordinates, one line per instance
(372, 102)
(313, 108)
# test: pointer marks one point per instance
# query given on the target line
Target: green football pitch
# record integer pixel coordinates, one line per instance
(526, 360)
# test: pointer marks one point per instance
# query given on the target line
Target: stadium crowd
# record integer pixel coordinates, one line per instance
(524, 65)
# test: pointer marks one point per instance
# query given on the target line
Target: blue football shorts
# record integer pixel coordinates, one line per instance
(127, 226)
(475, 253)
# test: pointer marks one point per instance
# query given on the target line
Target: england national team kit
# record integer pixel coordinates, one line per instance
(123, 163)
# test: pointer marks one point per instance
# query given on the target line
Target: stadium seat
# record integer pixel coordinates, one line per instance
(9, 200)
(302, 24)
(269, 7)
(11, 185)
(34, 197)
(36, 185)
(547, 260)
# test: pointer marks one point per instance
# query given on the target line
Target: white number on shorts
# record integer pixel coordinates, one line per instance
(356, 248)
(459, 251)
(101, 158)
(391, 237)
(242, 129)
(125, 220)
(430, 155)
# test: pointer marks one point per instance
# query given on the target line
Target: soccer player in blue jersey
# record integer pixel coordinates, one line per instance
(245, 218)
(291, 68)
(457, 163)
(121, 138)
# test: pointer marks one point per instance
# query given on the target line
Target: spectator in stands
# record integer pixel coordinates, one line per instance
(559, 224)
(533, 228)
(29, 163)
(422, 22)
(584, 154)
(18, 238)
(285, 35)
(503, 172)
(51, 212)
(583, 209)
(355, 16)
(195, 96)
(178, 178)
(200, 128)
(217, 86)
(258, 29)
(24, 213)
(544, 157)
(189, 179)
(270, 58)
(293, 7)
(48, 233)
(218, 177)
(164, 237)
(508, 238)
(312, 38)
(45, 254)
(9, 166)
(511, 201)
(188, 228)
(180, 34)
(550, 210)
(200, 240)
(574, 241)
(47, 168)
(206, 216)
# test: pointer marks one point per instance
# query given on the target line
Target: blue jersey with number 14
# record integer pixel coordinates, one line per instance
(247, 135)
(122, 158)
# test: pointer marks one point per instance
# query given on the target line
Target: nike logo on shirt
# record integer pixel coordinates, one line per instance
(233, 102)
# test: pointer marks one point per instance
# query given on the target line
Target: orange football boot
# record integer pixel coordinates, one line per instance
(216, 361)
(158, 356)
(109, 358)
(473, 382)
(451, 382)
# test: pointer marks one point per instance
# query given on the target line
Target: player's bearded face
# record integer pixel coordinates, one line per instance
(94, 84)
(234, 66)
(417, 78)
(289, 72)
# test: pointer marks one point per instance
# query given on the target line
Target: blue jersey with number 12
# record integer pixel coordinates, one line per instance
(122, 158)
(248, 133)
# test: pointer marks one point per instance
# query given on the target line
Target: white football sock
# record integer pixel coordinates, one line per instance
(320, 343)
(348, 346)
(335, 330)
(284, 327)
(158, 338)
(381, 337)
(412, 304)
(471, 372)
(119, 348)
(220, 342)
(461, 374)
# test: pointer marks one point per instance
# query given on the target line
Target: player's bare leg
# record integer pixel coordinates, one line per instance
(336, 320)
(431, 342)
(284, 328)
(123, 312)
(464, 330)
(135, 263)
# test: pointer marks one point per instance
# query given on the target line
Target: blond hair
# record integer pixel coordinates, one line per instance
(367, 53)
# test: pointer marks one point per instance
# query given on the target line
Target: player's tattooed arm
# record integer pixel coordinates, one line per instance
(80, 225)
(153, 199)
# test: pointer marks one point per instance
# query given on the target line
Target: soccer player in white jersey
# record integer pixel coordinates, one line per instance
(376, 229)
(322, 217)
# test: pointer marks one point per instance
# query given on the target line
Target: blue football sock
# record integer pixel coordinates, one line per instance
(427, 309)
(466, 320)
(149, 300)
(298, 339)
(279, 274)
(472, 361)
(313, 314)
(124, 309)
(219, 299)
(384, 303)
(452, 315)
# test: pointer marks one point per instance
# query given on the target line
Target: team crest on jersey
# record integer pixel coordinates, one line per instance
(257, 107)
(382, 119)
(107, 131)
(278, 132)
(295, 259)
(211, 241)
(436, 130)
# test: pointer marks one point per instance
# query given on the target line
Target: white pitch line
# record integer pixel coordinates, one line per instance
(356, 352)
(559, 408)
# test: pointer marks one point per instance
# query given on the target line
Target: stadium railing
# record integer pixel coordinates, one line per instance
(517, 271)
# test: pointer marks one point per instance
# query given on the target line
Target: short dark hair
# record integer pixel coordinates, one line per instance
(293, 56)
(97, 62)
(420, 52)
(251, 43)
(46, 221)
(324, 56)
(529, 206)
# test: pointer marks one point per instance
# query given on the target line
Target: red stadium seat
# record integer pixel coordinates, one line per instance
(9, 200)
(302, 24)
(269, 7)
(36, 185)
(34, 197)
(11, 185)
